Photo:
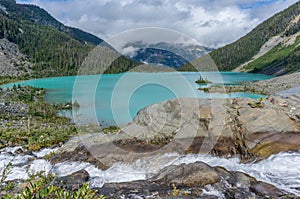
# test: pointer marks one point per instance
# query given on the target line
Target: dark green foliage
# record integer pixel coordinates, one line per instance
(111, 129)
(54, 49)
(52, 52)
(120, 65)
(42, 109)
(41, 187)
(206, 90)
(279, 60)
(201, 80)
(82, 36)
(39, 16)
(241, 51)
(8, 79)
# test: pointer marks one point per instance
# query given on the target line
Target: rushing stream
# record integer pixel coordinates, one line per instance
(281, 170)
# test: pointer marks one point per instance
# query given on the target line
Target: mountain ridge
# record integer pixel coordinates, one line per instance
(170, 54)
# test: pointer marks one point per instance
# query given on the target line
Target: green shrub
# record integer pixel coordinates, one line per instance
(111, 129)
(42, 189)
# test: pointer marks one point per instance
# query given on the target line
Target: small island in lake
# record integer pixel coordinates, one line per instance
(201, 80)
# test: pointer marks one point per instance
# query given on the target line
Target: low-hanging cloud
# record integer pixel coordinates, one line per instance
(211, 22)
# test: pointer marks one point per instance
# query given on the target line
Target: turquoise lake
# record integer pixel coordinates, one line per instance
(116, 98)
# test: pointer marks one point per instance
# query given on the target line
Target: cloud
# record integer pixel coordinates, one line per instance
(211, 22)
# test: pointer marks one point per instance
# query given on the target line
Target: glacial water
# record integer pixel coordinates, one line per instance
(281, 170)
(116, 98)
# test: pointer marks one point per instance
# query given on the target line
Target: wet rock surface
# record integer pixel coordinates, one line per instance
(72, 182)
(190, 180)
(197, 180)
(80, 154)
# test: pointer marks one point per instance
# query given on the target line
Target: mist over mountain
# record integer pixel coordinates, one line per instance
(170, 54)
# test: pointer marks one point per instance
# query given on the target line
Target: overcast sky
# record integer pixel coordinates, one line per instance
(211, 22)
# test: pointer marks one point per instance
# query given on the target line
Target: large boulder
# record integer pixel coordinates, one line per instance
(198, 174)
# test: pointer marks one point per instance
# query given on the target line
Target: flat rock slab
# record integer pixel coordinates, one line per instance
(219, 127)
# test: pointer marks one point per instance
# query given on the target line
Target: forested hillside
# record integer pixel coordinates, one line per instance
(54, 49)
(278, 61)
(282, 59)
(39, 16)
(241, 51)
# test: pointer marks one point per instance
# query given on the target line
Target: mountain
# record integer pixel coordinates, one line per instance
(53, 48)
(173, 55)
(272, 48)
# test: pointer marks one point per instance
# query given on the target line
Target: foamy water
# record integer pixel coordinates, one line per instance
(281, 170)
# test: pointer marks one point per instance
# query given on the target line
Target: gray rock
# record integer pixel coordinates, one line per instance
(73, 181)
(198, 174)
(190, 181)
(219, 127)
(12, 62)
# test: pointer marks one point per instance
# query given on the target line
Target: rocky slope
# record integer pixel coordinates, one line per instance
(275, 57)
(278, 85)
(40, 37)
(12, 62)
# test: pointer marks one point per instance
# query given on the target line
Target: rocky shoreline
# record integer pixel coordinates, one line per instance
(266, 87)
